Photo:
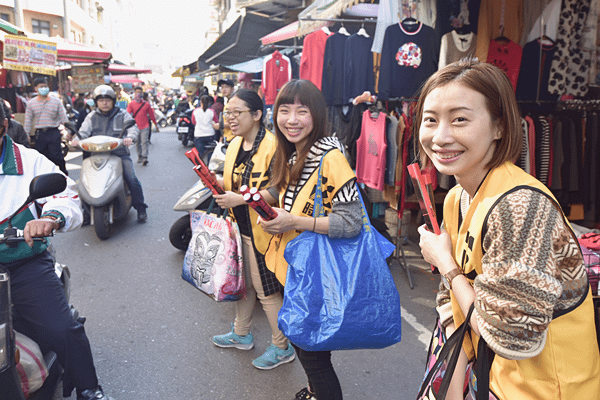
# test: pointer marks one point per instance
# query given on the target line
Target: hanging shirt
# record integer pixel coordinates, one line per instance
(530, 85)
(388, 13)
(359, 76)
(371, 151)
(313, 52)
(334, 70)
(493, 14)
(277, 70)
(455, 47)
(507, 57)
(410, 56)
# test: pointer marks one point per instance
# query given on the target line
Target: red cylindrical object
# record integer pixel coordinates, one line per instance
(248, 199)
(258, 199)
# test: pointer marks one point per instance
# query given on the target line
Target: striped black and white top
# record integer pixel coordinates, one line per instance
(346, 194)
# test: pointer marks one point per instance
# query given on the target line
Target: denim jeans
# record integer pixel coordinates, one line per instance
(322, 378)
(201, 143)
(137, 195)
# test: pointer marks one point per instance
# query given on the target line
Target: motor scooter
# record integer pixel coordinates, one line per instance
(101, 184)
(185, 128)
(171, 117)
(161, 119)
(198, 197)
(10, 381)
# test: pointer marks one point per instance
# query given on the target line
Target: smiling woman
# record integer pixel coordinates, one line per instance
(506, 245)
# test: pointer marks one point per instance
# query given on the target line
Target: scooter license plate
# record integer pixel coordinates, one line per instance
(182, 129)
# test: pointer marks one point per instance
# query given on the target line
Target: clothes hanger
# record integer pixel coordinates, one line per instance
(502, 39)
(362, 31)
(343, 30)
(326, 30)
(408, 20)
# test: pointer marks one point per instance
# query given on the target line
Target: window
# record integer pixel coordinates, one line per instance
(5, 17)
(38, 26)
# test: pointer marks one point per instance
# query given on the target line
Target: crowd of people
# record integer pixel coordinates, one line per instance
(506, 248)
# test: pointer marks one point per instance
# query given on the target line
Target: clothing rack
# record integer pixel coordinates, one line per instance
(401, 258)
(341, 20)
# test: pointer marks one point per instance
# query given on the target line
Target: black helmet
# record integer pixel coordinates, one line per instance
(104, 91)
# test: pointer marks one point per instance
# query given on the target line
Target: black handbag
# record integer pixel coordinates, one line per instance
(445, 352)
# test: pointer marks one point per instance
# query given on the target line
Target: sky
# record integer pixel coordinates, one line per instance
(174, 26)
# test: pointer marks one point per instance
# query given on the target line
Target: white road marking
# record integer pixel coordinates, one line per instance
(424, 333)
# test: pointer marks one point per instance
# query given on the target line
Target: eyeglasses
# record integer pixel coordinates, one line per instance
(234, 114)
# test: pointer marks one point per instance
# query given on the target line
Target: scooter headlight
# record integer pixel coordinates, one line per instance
(194, 198)
(99, 147)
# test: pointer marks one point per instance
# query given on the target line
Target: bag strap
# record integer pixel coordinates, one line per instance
(483, 365)
(138, 110)
(219, 212)
(449, 353)
(318, 210)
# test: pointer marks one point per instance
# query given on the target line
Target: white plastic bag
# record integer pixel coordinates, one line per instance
(31, 367)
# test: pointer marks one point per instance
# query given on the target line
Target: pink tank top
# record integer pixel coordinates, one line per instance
(371, 151)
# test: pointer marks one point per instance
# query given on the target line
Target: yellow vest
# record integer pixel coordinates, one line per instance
(258, 179)
(336, 173)
(569, 365)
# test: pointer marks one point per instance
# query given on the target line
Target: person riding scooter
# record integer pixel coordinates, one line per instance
(108, 119)
(41, 310)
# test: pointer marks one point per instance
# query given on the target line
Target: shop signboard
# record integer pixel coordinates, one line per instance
(30, 55)
(86, 78)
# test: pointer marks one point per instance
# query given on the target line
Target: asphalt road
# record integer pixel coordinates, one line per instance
(151, 331)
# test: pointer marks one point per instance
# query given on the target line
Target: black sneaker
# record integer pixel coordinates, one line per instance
(91, 394)
(145, 162)
(304, 394)
(142, 216)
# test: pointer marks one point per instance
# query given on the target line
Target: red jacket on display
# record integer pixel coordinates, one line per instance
(277, 70)
(313, 53)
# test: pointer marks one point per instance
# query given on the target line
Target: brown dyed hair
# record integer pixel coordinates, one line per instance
(500, 101)
(307, 94)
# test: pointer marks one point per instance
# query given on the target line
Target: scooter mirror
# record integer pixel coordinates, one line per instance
(126, 126)
(41, 186)
(46, 185)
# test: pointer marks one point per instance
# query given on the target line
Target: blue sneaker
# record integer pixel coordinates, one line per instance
(232, 340)
(274, 357)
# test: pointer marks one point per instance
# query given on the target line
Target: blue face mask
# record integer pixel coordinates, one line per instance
(90, 102)
(43, 91)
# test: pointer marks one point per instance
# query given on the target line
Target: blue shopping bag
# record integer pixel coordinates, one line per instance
(339, 293)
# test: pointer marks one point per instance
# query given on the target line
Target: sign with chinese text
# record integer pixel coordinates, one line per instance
(85, 79)
(30, 55)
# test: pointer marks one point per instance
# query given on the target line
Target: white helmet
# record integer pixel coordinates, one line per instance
(104, 91)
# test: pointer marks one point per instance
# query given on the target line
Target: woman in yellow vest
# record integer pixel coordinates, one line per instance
(507, 247)
(248, 162)
(300, 120)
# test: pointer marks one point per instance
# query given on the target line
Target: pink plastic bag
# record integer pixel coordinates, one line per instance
(213, 261)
